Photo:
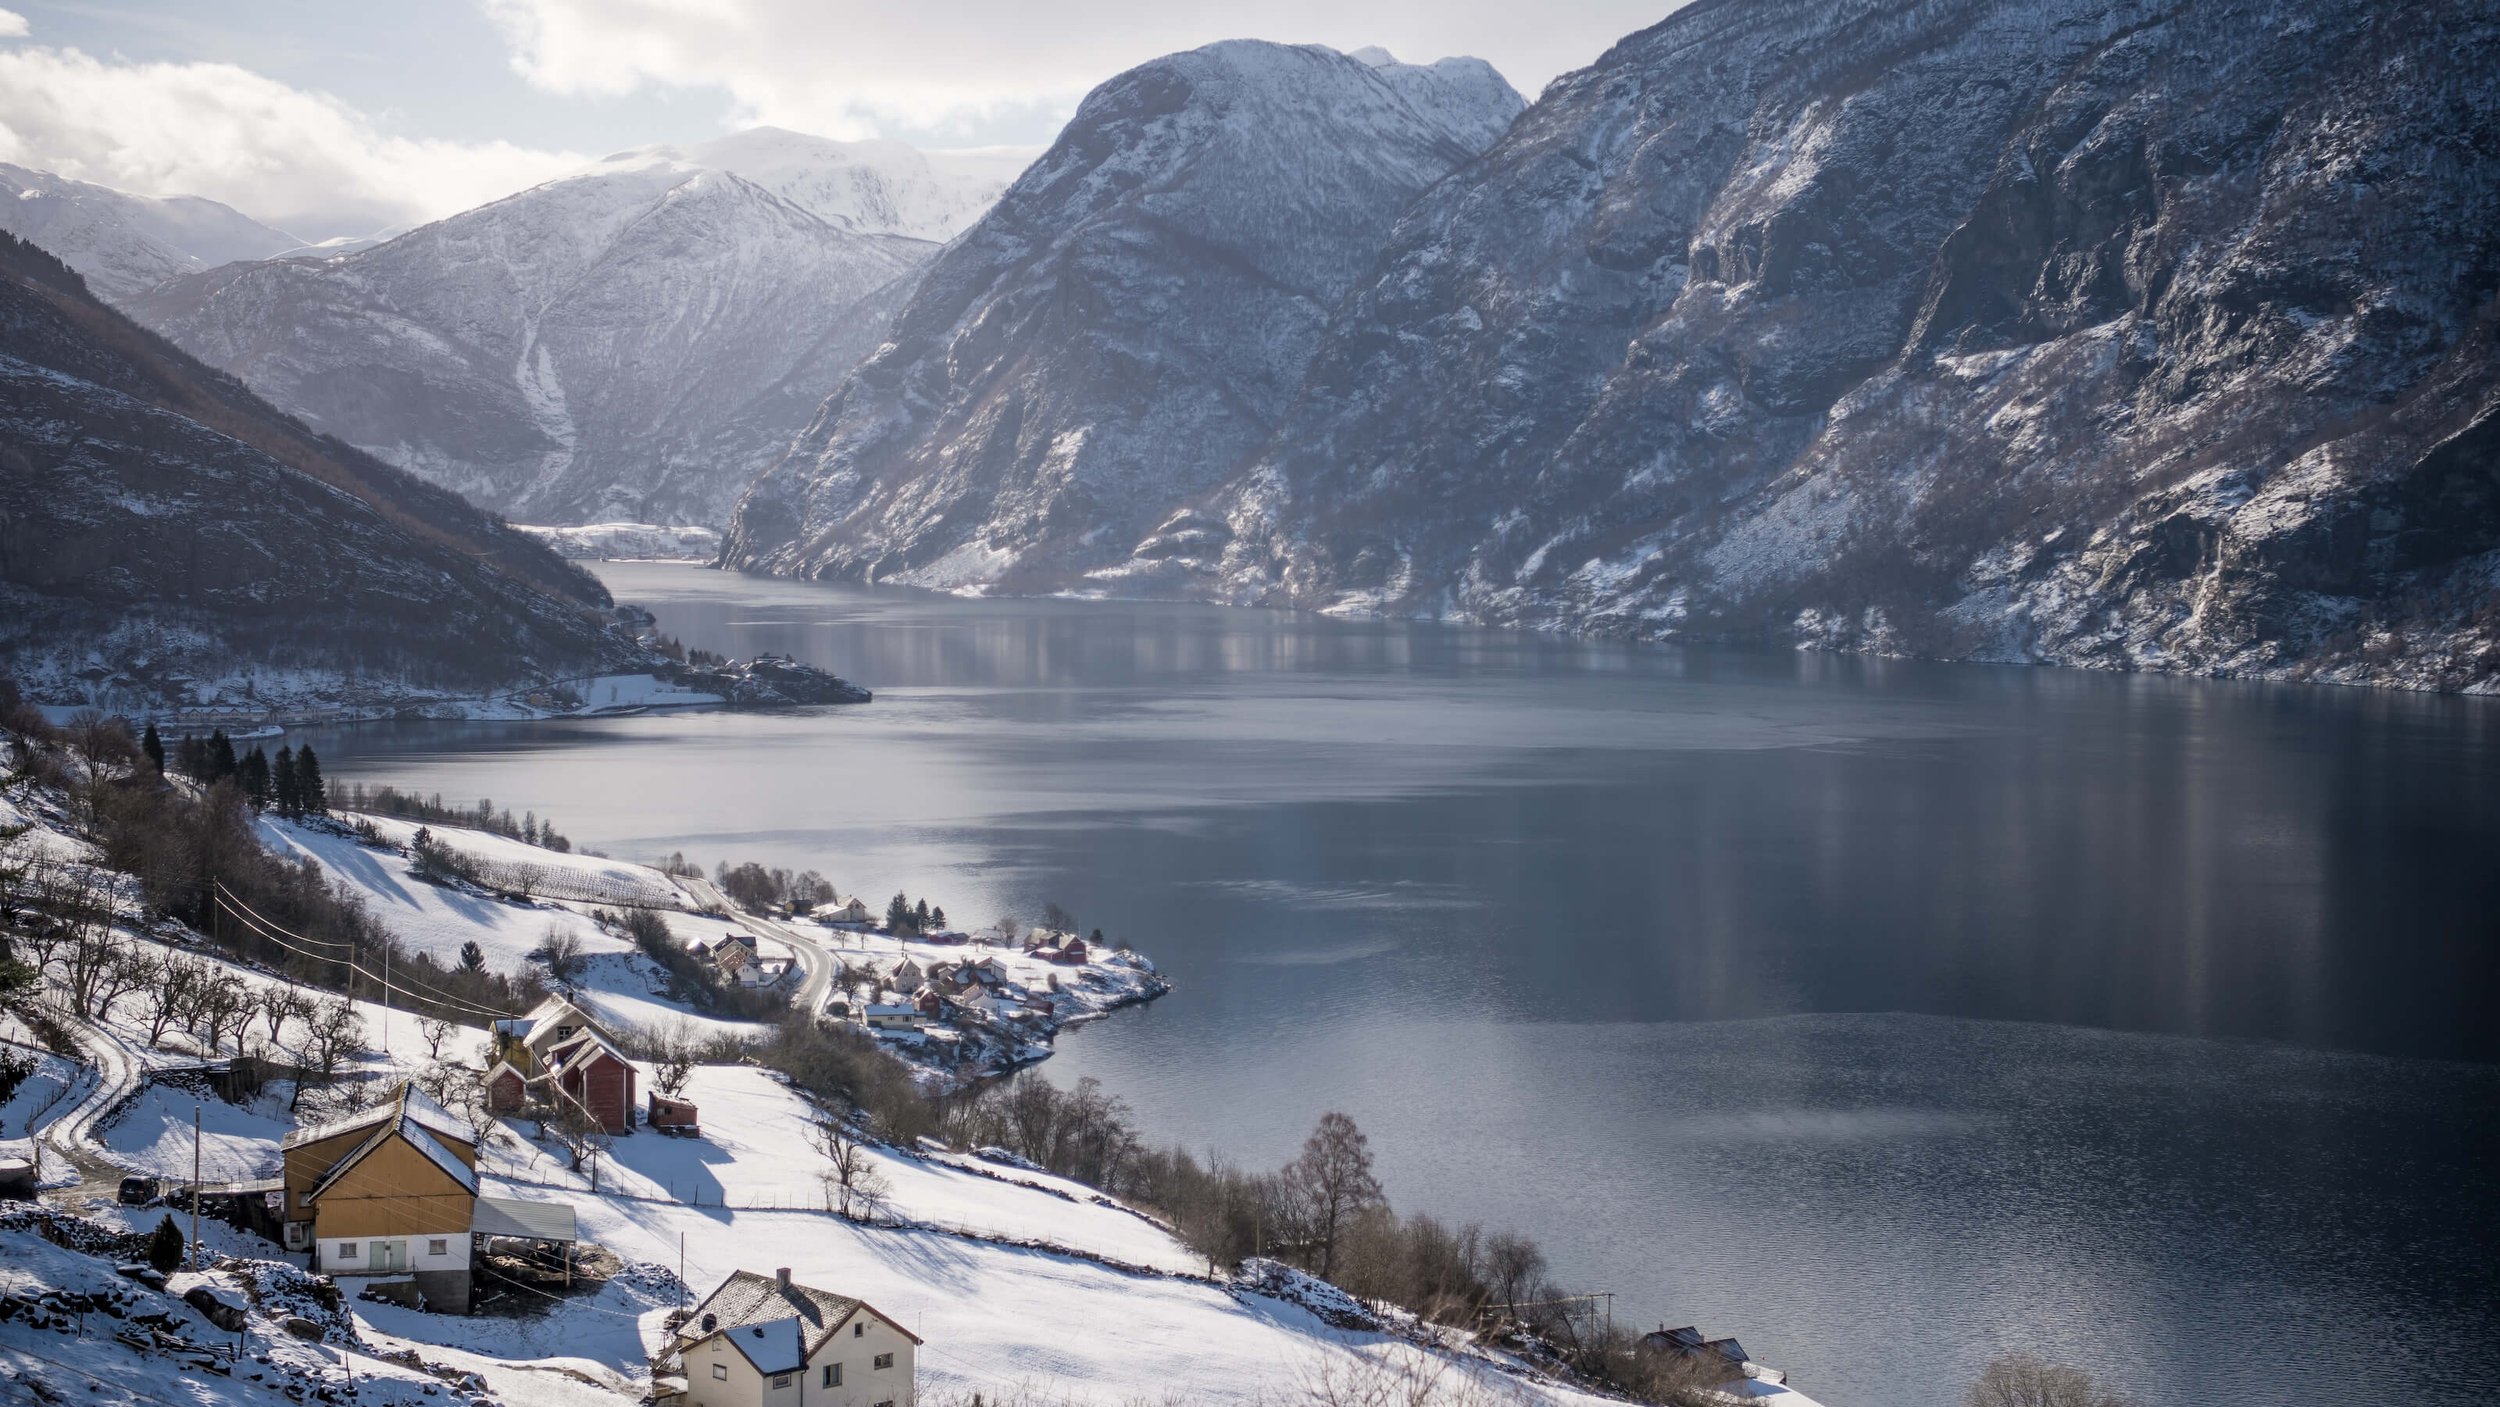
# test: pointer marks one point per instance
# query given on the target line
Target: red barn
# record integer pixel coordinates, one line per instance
(507, 1089)
(597, 1076)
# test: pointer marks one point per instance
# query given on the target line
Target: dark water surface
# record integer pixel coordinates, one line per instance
(1885, 1015)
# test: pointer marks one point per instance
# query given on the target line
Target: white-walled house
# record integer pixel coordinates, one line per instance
(763, 1341)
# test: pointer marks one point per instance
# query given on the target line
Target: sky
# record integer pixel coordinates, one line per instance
(327, 118)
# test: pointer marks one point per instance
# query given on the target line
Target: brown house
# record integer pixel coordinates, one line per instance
(595, 1075)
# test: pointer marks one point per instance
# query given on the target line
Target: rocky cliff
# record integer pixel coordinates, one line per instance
(1129, 321)
(2139, 335)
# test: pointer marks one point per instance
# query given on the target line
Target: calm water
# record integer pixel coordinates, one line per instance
(1885, 1015)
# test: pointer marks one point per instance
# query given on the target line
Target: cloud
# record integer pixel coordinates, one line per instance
(302, 161)
(853, 68)
(12, 25)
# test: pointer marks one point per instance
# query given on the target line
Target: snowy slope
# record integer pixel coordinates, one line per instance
(629, 344)
(873, 187)
(124, 243)
(1127, 322)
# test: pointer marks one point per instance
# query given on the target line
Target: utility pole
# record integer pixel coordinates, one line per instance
(195, 1186)
(386, 998)
(681, 1270)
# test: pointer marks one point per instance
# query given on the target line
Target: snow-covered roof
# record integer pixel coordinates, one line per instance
(408, 1099)
(746, 1298)
(579, 1046)
(404, 1126)
(776, 1346)
(536, 1221)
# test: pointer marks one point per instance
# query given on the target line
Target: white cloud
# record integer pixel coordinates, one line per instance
(302, 161)
(12, 25)
(853, 68)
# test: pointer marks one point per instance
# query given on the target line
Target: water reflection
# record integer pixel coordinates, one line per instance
(1883, 1013)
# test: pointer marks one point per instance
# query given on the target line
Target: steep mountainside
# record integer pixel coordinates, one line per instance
(863, 187)
(637, 343)
(125, 244)
(2139, 335)
(1129, 321)
(163, 530)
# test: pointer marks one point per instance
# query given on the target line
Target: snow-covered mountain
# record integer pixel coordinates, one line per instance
(1130, 319)
(125, 244)
(2140, 335)
(162, 529)
(865, 187)
(636, 342)
(2102, 332)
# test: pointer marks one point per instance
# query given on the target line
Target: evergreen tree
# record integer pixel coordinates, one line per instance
(898, 915)
(165, 1246)
(311, 793)
(282, 784)
(253, 773)
(221, 763)
(920, 917)
(937, 917)
(472, 957)
(191, 755)
(154, 747)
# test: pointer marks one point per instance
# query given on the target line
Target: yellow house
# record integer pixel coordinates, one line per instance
(389, 1192)
(762, 1341)
(390, 1196)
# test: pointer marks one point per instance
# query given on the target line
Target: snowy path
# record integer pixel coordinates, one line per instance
(70, 1130)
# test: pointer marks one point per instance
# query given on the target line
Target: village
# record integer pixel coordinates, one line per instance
(518, 1146)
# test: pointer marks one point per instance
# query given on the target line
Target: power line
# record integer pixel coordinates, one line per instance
(438, 998)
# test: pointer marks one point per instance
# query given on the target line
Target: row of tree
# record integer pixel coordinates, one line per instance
(408, 806)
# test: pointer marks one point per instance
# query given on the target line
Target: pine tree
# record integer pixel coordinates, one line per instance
(165, 1246)
(221, 763)
(282, 784)
(154, 747)
(311, 793)
(472, 957)
(253, 773)
(898, 915)
(937, 917)
(920, 917)
(191, 755)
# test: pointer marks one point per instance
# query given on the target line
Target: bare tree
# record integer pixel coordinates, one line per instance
(435, 1030)
(101, 741)
(673, 1051)
(855, 1187)
(1332, 1181)
(279, 1005)
(1512, 1264)
(226, 1009)
(2020, 1380)
(331, 1030)
(168, 1001)
(561, 950)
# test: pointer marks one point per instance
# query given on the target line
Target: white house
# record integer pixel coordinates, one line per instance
(763, 1341)
(848, 909)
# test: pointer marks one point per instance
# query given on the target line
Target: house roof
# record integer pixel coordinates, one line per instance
(776, 1346)
(416, 1136)
(407, 1101)
(534, 1221)
(580, 1046)
(747, 1299)
(551, 1012)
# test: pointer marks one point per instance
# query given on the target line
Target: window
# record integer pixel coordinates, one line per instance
(720, 1372)
(859, 1328)
(885, 1360)
(781, 1380)
(832, 1376)
(438, 1248)
(347, 1250)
